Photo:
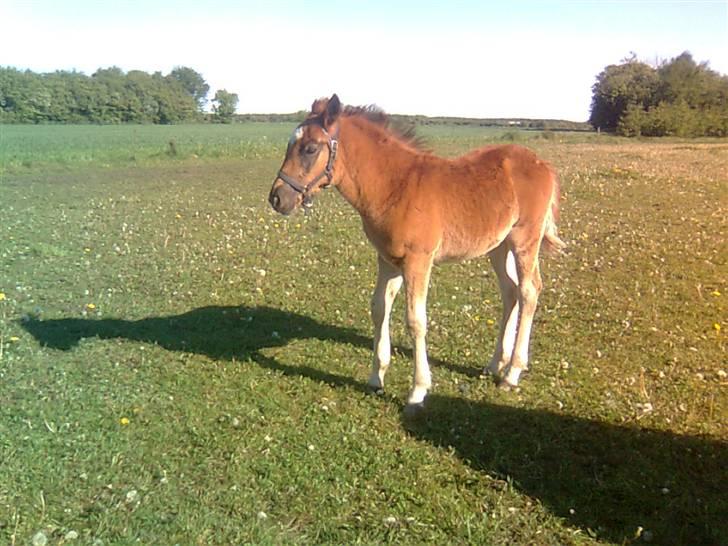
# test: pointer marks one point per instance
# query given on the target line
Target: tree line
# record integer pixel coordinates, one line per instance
(109, 96)
(677, 98)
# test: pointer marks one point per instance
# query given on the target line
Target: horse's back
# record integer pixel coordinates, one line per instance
(533, 181)
(494, 188)
(524, 164)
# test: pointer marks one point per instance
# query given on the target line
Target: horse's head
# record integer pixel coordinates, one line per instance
(309, 163)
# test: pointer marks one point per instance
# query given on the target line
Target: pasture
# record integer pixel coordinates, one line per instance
(181, 365)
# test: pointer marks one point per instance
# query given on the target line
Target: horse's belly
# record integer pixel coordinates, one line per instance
(464, 247)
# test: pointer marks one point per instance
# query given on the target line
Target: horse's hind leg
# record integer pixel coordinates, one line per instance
(504, 265)
(389, 281)
(525, 250)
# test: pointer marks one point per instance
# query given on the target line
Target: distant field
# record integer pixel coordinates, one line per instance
(178, 364)
(28, 146)
(24, 147)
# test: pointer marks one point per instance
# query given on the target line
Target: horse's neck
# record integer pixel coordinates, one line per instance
(373, 164)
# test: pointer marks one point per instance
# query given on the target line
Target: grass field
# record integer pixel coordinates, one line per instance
(180, 365)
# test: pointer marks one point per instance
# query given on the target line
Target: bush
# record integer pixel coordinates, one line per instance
(677, 119)
(632, 123)
(681, 98)
(511, 136)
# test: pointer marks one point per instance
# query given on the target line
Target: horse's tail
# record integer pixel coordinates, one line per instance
(551, 241)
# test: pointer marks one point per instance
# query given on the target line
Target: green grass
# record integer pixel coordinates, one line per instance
(24, 147)
(179, 364)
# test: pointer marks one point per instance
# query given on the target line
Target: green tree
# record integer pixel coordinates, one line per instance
(618, 87)
(110, 82)
(632, 122)
(224, 105)
(682, 79)
(679, 98)
(109, 96)
(193, 83)
(10, 93)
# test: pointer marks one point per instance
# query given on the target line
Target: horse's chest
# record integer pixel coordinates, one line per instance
(395, 242)
(383, 240)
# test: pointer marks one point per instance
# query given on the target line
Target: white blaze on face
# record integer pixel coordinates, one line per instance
(296, 136)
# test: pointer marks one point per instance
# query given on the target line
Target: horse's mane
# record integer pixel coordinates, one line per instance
(399, 129)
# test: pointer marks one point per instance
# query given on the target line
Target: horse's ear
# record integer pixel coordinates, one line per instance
(333, 110)
(319, 106)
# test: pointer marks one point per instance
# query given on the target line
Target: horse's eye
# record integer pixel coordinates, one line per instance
(310, 149)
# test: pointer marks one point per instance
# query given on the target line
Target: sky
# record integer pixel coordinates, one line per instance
(470, 58)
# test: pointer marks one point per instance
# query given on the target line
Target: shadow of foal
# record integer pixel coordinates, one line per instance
(221, 333)
(607, 479)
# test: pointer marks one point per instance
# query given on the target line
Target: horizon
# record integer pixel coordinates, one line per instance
(410, 58)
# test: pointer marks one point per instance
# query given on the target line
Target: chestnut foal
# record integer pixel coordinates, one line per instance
(417, 210)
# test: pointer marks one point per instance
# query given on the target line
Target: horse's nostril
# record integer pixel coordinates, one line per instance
(275, 201)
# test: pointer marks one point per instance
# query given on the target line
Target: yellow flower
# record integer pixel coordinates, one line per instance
(715, 293)
(13, 338)
(716, 327)
(490, 322)
(124, 421)
(90, 306)
(2, 296)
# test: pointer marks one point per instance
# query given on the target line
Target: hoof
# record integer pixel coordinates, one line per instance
(505, 385)
(414, 410)
(495, 369)
(375, 391)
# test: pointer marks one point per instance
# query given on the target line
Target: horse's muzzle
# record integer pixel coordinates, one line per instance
(283, 199)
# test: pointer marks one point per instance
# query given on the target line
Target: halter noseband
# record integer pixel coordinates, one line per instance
(328, 172)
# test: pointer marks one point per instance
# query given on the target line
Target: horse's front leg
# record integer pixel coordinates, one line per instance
(389, 281)
(417, 280)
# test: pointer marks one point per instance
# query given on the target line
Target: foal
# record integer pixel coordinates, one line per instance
(417, 210)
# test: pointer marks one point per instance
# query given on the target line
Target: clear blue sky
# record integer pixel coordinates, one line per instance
(462, 58)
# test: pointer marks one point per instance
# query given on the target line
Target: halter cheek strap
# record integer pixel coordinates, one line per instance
(328, 172)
